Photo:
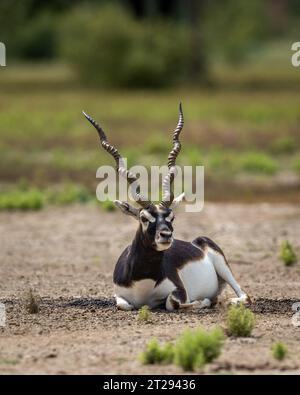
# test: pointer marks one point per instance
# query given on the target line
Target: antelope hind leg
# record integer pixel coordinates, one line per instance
(197, 304)
(223, 270)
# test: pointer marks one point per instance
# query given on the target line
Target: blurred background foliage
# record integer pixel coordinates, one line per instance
(128, 63)
(151, 43)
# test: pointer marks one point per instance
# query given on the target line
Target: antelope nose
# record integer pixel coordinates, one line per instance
(165, 233)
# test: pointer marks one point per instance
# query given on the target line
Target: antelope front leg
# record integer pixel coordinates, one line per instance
(122, 304)
(197, 304)
(178, 300)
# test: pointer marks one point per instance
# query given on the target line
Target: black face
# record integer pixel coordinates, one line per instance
(157, 227)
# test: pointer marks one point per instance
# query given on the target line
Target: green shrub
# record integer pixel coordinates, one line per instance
(297, 164)
(194, 157)
(240, 321)
(68, 193)
(30, 199)
(157, 145)
(196, 348)
(168, 353)
(188, 358)
(284, 145)
(108, 47)
(258, 162)
(108, 205)
(24, 197)
(279, 351)
(144, 314)
(218, 160)
(156, 354)
(131, 154)
(287, 253)
(152, 354)
(192, 350)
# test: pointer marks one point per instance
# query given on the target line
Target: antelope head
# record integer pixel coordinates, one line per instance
(155, 220)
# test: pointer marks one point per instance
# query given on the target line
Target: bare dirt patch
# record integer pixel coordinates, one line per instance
(67, 256)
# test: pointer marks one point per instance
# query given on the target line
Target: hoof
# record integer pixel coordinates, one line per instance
(245, 299)
(123, 305)
(205, 303)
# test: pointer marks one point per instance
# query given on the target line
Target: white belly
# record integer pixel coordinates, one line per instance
(143, 293)
(199, 278)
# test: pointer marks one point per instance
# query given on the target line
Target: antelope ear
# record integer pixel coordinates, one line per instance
(127, 209)
(177, 201)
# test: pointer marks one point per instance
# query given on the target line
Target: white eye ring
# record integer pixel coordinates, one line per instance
(147, 216)
(170, 217)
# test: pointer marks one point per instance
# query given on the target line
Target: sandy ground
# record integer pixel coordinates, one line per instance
(67, 256)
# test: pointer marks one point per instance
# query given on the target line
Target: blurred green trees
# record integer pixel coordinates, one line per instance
(151, 43)
(131, 54)
(233, 27)
(28, 34)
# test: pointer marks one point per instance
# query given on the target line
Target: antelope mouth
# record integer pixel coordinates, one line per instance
(165, 241)
(163, 244)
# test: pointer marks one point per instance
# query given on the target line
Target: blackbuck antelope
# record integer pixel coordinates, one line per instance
(156, 269)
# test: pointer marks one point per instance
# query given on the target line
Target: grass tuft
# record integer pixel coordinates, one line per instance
(68, 193)
(240, 321)
(144, 314)
(32, 302)
(157, 145)
(156, 354)
(196, 348)
(297, 164)
(8, 361)
(258, 163)
(279, 351)
(287, 253)
(20, 199)
(284, 145)
(108, 205)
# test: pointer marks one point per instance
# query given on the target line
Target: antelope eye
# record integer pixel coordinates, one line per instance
(170, 218)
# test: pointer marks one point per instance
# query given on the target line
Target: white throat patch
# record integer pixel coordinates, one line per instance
(145, 213)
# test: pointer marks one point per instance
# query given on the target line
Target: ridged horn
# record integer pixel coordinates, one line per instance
(167, 193)
(130, 177)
